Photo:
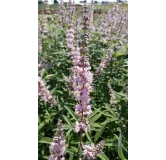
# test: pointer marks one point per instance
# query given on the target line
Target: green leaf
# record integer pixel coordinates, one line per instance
(71, 156)
(54, 91)
(88, 136)
(45, 157)
(121, 95)
(108, 120)
(71, 113)
(50, 76)
(72, 142)
(68, 121)
(56, 53)
(120, 152)
(110, 110)
(41, 125)
(103, 156)
(113, 119)
(46, 140)
(108, 114)
(74, 149)
(69, 151)
(125, 70)
(94, 129)
(98, 134)
(94, 113)
(96, 117)
(68, 132)
(109, 144)
(118, 54)
(95, 125)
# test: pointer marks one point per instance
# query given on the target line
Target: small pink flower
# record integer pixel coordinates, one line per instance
(85, 98)
(92, 151)
(79, 126)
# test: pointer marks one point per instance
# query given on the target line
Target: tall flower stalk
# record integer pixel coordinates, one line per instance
(91, 26)
(82, 89)
(70, 31)
(39, 37)
(58, 146)
(62, 13)
(75, 57)
(83, 80)
(44, 25)
(44, 93)
(112, 96)
(104, 62)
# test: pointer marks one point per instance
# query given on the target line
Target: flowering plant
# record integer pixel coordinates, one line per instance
(88, 79)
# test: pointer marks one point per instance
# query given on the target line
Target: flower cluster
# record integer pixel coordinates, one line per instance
(78, 27)
(81, 126)
(113, 29)
(112, 96)
(39, 37)
(44, 25)
(82, 90)
(58, 146)
(70, 36)
(70, 7)
(44, 93)
(91, 27)
(70, 32)
(75, 57)
(83, 81)
(74, 53)
(114, 23)
(104, 62)
(62, 13)
(92, 151)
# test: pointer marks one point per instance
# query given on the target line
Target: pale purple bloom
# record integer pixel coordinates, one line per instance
(70, 7)
(83, 109)
(58, 146)
(112, 96)
(104, 63)
(114, 23)
(44, 24)
(92, 151)
(85, 99)
(70, 37)
(82, 80)
(45, 94)
(81, 126)
(39, 37)
(88, 151)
